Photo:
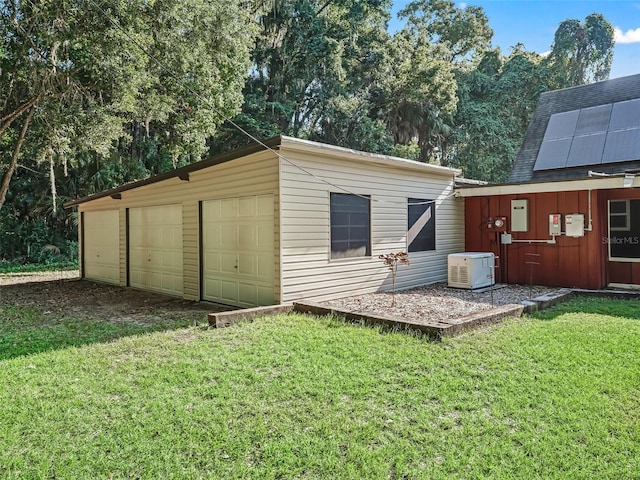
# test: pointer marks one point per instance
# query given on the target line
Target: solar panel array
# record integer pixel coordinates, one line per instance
(591, 136)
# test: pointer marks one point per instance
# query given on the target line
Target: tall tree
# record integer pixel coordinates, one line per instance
(309, 54)
(582, 52)
(464, 32)
(495, 102)
(71, 76)
(418, 96)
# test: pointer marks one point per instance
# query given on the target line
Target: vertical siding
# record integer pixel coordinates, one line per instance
(123, 246)
(308, 271)
(191, 250)
(80, 244)
(571, 262)
(251, 175)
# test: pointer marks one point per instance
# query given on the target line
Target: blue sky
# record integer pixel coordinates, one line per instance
(533, 23)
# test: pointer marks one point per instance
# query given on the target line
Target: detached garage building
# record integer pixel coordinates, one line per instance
(258, 226)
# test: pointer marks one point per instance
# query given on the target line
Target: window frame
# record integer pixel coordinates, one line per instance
(626, 214)
(628, 228)
(415, 202)
(341, 255)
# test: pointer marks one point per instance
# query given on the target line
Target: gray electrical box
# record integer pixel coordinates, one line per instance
(555, 224)
(574, 225)
(520, 215)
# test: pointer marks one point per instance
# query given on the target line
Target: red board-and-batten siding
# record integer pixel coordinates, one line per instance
(571, 262)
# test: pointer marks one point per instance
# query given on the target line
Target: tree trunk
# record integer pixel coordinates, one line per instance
(4, 188)
(7, 120)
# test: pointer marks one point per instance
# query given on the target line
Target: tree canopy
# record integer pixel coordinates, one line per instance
(75, 75)
(94, 93)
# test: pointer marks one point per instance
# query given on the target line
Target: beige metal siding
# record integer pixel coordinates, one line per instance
(191, 250)
(309, 273)
(251, 175)
(122, 247)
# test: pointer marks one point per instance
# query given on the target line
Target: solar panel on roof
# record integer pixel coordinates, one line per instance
(593, 120)
(553, 154)
(561, 125)
(586, 150)
(625, 115)
(591, 136)
(622, 146)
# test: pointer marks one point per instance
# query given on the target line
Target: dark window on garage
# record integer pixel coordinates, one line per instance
(350, 225)
(421, 233)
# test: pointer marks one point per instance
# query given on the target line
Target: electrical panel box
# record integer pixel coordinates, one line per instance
(574, 225)
(506, 239)
(520, 215)
(555, 224)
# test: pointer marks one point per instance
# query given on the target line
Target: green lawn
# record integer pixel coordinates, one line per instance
(556, 396)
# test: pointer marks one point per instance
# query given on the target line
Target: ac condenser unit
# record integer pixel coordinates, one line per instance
(471, 270)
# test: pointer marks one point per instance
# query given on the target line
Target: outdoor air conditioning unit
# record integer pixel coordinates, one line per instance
(471, 270)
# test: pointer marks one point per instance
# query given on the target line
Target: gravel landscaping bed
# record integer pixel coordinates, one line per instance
(22, 277)
(437, 302)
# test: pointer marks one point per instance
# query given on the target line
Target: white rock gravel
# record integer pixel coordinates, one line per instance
(437, 303)
(14, 278)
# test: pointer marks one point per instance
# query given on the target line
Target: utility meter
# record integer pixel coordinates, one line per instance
(555, 224)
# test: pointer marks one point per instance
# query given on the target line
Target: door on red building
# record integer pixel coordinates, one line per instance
(623, 243)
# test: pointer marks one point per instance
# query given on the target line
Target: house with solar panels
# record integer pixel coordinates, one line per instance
(569, 214)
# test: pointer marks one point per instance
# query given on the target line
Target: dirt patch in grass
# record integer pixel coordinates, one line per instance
(63, 294)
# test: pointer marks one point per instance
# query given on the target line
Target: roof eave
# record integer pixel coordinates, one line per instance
(590, 183)
(272, 143)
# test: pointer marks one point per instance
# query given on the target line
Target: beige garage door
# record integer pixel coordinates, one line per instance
(238, 251)
(155, 248)
(100, 248)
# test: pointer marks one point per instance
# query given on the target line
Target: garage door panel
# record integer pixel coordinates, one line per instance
(266, 267)
(247, 236)
(247, 265)
(238, 251)
(155, 248)
(265, 207)
(101, 246)
(247, 207)
(228, 208)
(229, 291)
(248, 293)
(212, 260)
(228, 263)
(265, 295)
(229, 237)
(264, 236)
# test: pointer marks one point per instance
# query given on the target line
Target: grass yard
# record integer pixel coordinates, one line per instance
(557, 396)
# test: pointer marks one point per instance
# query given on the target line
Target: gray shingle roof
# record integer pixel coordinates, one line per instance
(568, 99)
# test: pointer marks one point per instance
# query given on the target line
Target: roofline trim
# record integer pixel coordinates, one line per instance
(272, 143)
(375, 158)
(590, 183)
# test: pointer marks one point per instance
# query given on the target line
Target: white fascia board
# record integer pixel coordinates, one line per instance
(308, 146)
(545, 187)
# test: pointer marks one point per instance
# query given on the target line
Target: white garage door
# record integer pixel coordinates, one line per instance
(238, 251)
(155, 248)
(100, 247)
